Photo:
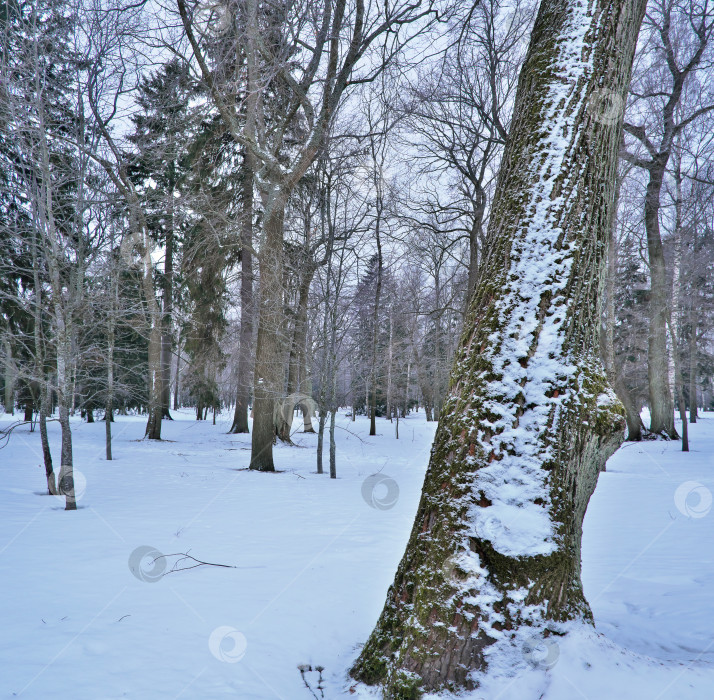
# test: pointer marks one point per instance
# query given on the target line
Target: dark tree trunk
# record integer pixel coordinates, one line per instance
(375, 335)
(177, 384)
(529, 402)
(46, 453)
(240, 417)
(269, 371)
(322, 421)
(661, 406)
(475, 237)
(632, 411)
(9, 400)
(153, 424)
(694, 322)
(167, 319)
(155, 387)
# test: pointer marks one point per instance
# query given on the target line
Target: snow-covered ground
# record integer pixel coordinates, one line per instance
(83, 616)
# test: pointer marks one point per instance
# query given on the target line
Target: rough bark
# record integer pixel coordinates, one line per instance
(268, 360)
(155, 383)
(167, 318)
(661, 406)
(529, 419)
(632, 412)
(375, 329)
(240, 417)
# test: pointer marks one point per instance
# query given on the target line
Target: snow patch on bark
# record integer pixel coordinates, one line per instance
(529, 358)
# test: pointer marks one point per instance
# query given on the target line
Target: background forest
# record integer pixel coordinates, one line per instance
(202, 208)
(324, 238)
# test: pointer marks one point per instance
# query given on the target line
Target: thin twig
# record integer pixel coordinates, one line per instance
(183, 556)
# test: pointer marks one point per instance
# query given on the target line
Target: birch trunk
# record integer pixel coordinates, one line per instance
(529, 419)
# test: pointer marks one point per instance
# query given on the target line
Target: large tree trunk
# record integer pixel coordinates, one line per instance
(632, 412)
(375, 335)
(153, 424)
(661, 406)
(167, 332)
(268, 375)
(529, 420)
(155, 387)
(240, 417)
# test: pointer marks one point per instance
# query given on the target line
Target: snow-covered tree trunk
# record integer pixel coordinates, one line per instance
(529, 419)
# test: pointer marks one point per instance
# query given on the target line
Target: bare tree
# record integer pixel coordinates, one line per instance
(326, 42)
(666, 100)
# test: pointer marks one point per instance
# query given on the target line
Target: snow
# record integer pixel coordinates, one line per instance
(542, 261)
(316, 557)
